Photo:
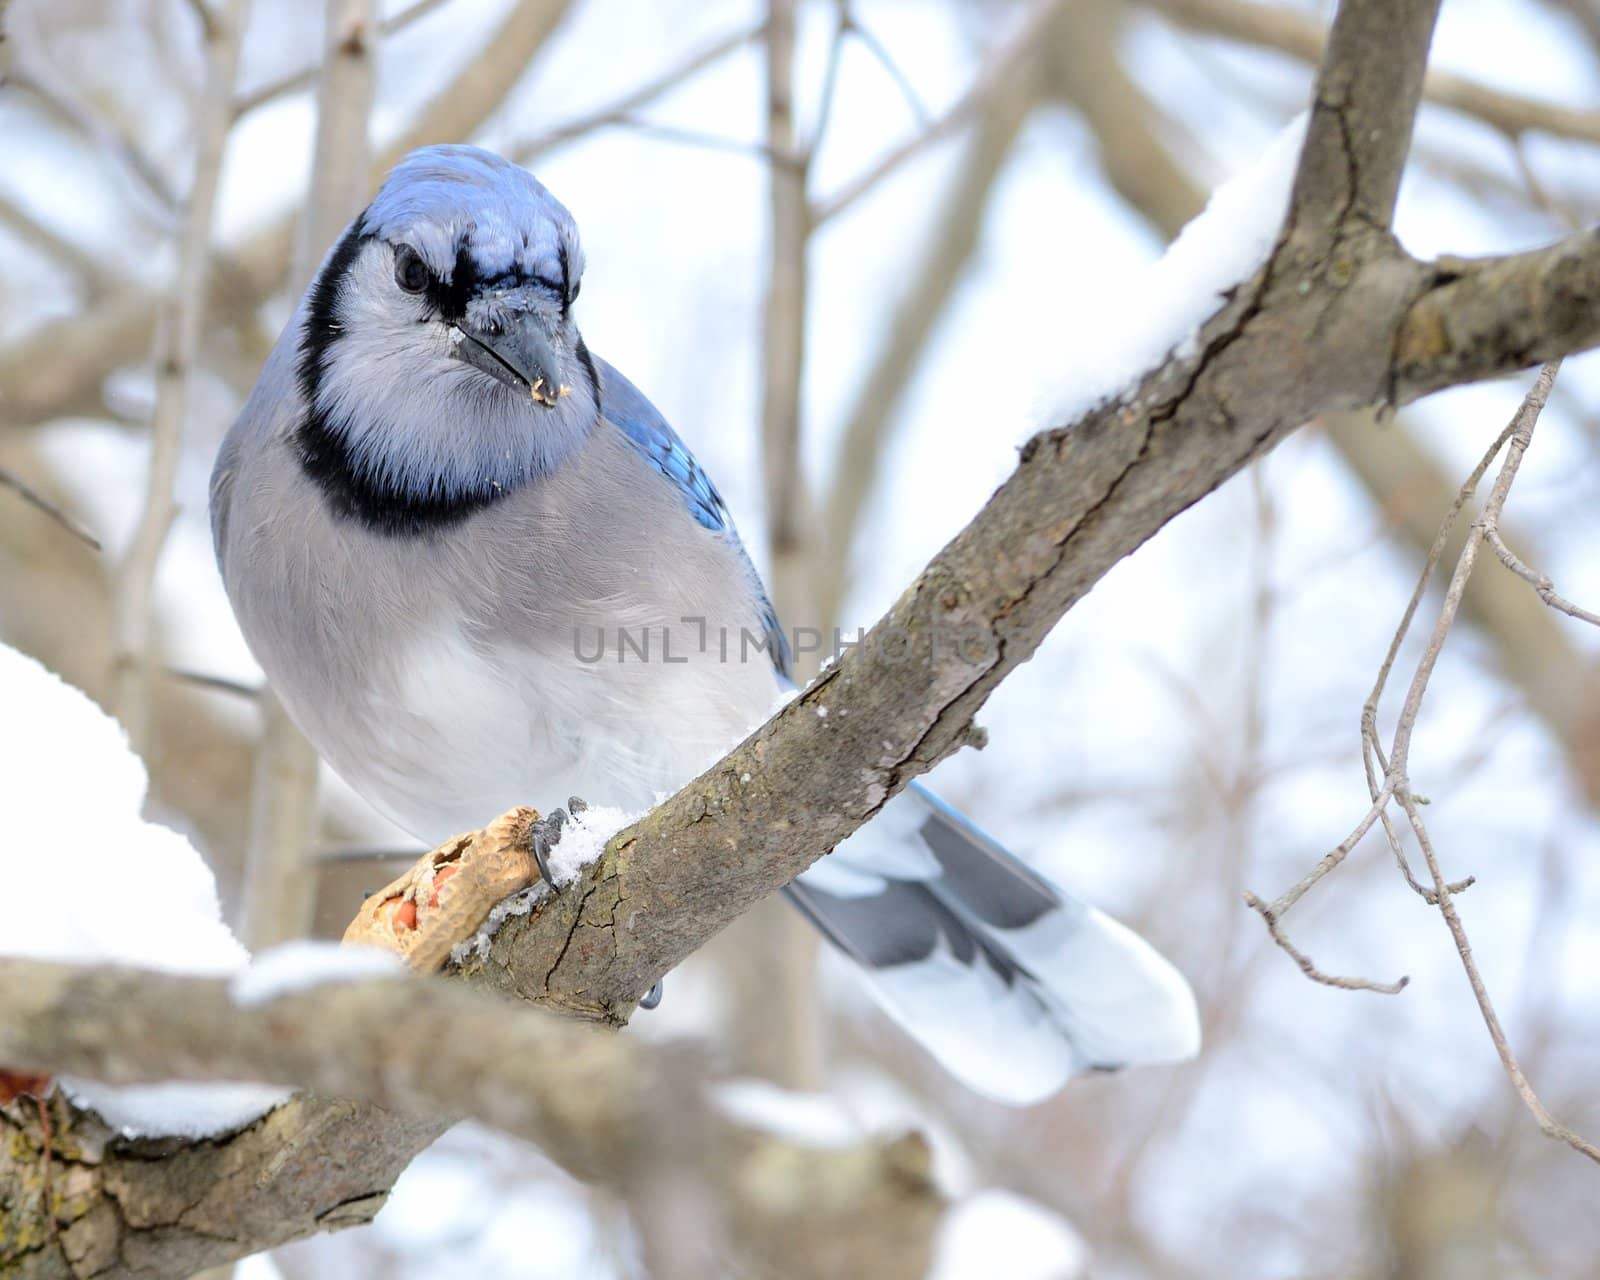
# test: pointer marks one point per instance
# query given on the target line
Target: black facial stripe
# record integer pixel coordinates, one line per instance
(451, 296)
(350, 493)
(322, 326)
(566, 280)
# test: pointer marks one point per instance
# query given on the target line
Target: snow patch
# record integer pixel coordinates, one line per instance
(89, 880)
(299, 966)
(1159, 311)
(806, 1119)
(999, 1233)
(583, 840)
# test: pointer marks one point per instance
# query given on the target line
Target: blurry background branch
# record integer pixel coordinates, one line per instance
(1299, 35)
(279, 887)
(610, 1108)
(179, 324)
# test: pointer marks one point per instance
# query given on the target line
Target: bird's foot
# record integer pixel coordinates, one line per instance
(448, 894)
(545, 834)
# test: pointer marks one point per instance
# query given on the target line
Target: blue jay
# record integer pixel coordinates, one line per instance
(437, 498)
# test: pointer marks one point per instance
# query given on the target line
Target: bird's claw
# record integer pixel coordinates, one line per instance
(652, 997)
(545, 834)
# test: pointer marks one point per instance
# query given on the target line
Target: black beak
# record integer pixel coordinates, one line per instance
(518, 353)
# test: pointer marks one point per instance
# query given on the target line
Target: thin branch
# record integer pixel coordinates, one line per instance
(35, 499)
(1539, 581)
(699, 138)
(830, 79)
(1522, 429)
(1333, 858)
(1523, 424)
(1275, 929)
(279, 887)
(622, 109)
(929, 284)
(1296, 33)
(209, 29)
(1396, 783)
(151, 184)
(998, 67)
(217, 684)
(779, 1014)
(306, 77)
(880, 51)
(82, 264)
(178, 332)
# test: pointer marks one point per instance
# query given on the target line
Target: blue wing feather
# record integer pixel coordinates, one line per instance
(630, 411)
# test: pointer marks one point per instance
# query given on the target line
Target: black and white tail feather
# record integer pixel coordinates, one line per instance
(1012, 984)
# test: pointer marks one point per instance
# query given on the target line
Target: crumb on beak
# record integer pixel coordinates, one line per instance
(544, 397)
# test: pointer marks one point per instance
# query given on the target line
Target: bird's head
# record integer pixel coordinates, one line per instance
(438, 356)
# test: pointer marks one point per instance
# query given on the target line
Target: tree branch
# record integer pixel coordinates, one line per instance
(610, 1109)
(179, 326)
(279, 896)
(1482, 317)
(997, 69)
(1278, 27)
(1362, 113)
(622, 109)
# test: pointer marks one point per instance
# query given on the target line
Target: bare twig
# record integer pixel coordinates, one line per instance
(1280, 27)
(177, 341)
(1540, 582)
(830, 78)
(880, 51)
(702, 139)
(280, 888)
(997, 69)
(621, 111)
(1396, 783)
(307, 76)
(34, 498)
(1522, 434)
(80, 262)
(928, 286)
(1308, 968)
(217, 684)
(149, 182)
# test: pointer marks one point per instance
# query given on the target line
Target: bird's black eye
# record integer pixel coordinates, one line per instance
(410, 271)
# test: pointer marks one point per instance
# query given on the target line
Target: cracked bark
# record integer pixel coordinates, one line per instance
(1339, 318)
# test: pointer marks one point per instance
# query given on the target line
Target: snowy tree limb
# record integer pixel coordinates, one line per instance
(611, 1109)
